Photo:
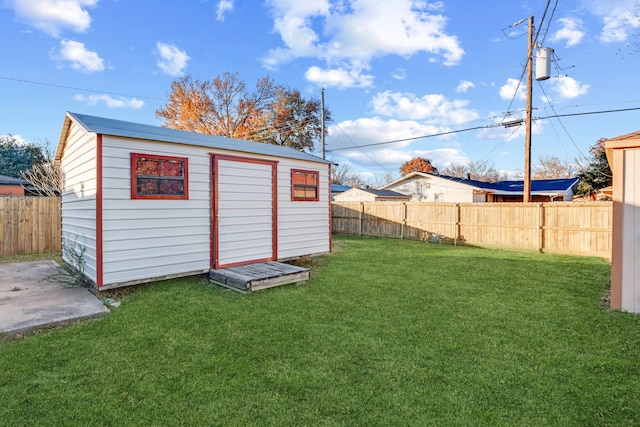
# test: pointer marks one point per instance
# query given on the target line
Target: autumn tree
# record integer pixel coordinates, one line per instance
(478, 171)
(550, 167)
(291, 120)
(418, 164)
(597, 174)
(226, 106)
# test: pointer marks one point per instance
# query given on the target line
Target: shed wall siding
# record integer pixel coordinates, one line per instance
(631, 226)
(79, 197)
(144, 239)
(303, 227)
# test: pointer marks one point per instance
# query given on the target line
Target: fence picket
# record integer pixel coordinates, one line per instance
(568, 228)
(29, 225)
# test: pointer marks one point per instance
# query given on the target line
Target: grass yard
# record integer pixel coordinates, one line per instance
(386, 332)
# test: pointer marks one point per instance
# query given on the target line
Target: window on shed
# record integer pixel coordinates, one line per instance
(158, 177)
(305, 185)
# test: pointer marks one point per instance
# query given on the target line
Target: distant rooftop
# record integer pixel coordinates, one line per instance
(511, 186)
(9, 180)
(385, 193)
(337, 188)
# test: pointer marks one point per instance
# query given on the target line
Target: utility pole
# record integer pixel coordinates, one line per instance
(322, 121)
(526, 190)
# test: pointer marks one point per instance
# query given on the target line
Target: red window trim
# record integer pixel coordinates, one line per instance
(135, 195)
(305, 199)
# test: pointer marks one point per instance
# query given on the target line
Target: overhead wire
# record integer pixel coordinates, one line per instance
(363, 152)
(78, 88)
(553, 12)
(489, 126)
(546, 97)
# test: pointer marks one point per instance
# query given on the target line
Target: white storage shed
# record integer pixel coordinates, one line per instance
(142, 203)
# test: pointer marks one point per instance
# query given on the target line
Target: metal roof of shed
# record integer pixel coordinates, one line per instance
(120, 128)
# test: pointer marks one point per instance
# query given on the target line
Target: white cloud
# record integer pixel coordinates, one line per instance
(432, 108)
(224, 6)
(110, 102)
(464, 86)
(52, 16)
(619, 18)
(375, 129)
(391, 159)
(508, 90)
(79, 56)
(348, 34)
(172, 60)
(338, 77)
(571, 31)
(399, 74)
(568, 87)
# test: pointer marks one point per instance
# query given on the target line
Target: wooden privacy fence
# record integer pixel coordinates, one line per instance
(568, 228)
(29, 225)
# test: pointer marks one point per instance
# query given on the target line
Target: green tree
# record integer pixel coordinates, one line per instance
(17, 157)
(597, 174)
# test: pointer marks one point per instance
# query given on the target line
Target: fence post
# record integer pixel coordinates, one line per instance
(456, 223)
(360, 218)
(540, 227)
(403, 219)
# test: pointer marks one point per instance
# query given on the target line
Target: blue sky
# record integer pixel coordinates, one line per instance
(391, 69)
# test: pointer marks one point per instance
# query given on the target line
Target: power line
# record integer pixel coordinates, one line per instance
(553, 12)
(78, 88)
(584, 113)
(560, 121)
(363, 152)
(417, 137)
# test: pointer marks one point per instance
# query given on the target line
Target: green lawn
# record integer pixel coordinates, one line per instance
(386, 332)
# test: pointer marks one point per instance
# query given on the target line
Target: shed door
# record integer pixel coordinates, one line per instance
(244, 210)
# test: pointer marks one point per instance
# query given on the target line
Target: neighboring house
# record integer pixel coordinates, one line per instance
(337, 189)
(426, 187)
(366, 195)
(146, 203)
(10, 186)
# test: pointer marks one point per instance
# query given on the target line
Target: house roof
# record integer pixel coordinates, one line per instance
(503, 187)
(104, 126)
(9, 180)
(537, 185)
(336, 188)
(385, 193)
(430, 175)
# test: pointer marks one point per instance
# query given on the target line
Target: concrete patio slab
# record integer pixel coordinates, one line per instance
(32, 298)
